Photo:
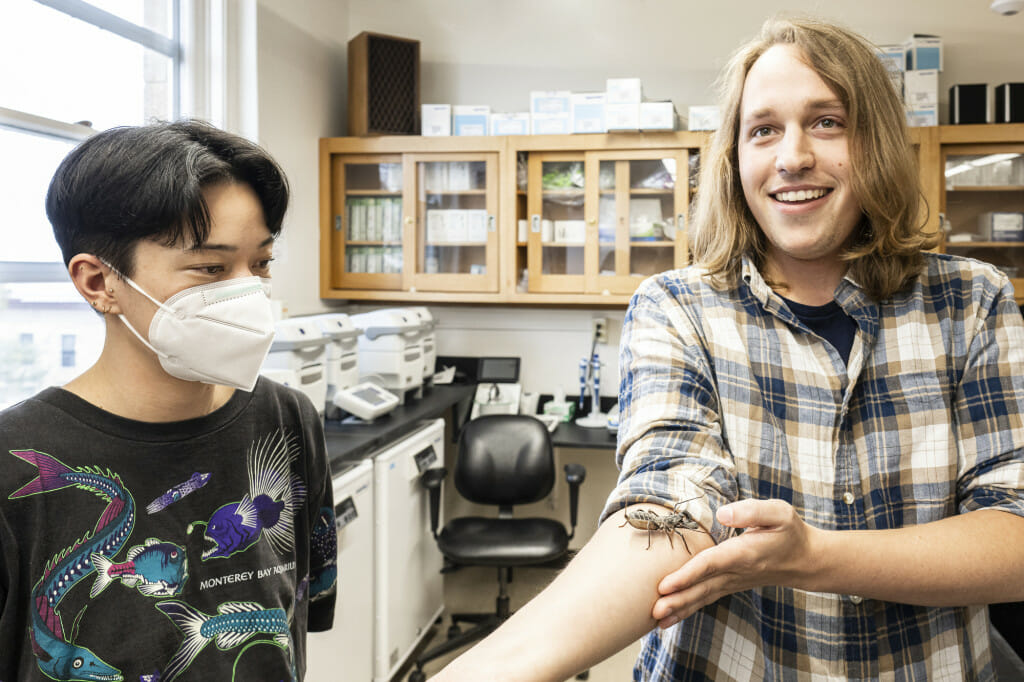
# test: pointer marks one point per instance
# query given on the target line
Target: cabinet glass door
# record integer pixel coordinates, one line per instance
(455, 214)
(984, 202)
(557, 222)
(367, 211)
(641, 202)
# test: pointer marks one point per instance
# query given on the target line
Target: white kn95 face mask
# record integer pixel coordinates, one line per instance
(217, 333)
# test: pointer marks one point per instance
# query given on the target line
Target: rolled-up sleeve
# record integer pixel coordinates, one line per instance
(990, 409)
(670, 445)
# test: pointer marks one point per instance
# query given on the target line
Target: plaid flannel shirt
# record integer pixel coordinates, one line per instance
(726, 395)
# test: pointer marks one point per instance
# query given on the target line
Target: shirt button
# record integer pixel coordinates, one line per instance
(848, 497)
(855, 599)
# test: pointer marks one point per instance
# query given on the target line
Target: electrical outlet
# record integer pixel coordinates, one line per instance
(599, 329)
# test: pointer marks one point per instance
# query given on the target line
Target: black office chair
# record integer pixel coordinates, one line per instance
(503, 460)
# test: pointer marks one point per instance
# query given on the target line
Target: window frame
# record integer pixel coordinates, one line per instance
(213, 51)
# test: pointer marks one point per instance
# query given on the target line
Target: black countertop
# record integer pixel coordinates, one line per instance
(350, 443)
(569, 435)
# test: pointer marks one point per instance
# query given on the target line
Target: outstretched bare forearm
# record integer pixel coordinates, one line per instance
(598, 605)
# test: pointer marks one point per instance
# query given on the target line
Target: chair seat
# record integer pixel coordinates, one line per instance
(482, 541)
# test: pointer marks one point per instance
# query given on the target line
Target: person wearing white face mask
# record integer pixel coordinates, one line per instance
(170, 467)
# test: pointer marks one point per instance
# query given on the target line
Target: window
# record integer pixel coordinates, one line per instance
(67, 350)
(68, 68)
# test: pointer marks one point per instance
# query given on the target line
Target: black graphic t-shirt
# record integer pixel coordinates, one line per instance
(195, 550)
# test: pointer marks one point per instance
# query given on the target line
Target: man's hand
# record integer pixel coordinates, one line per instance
(775, 548)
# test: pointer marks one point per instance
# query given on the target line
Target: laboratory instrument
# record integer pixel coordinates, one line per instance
(391, 351)
(366, 400)
(342, 354)
(409, 591)
(428, 341)
(300, 346)
(498, 390)
(596, 418)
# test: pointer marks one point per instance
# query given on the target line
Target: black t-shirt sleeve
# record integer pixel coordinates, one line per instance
(323, 560)
(10, 618)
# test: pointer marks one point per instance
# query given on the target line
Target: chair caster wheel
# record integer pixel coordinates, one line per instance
(417, 676)
(454, 631)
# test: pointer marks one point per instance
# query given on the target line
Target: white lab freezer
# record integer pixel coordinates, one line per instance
(409, 588)
(348, 646)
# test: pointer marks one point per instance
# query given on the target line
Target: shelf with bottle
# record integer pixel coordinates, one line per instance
(440, 193)
(373, 218)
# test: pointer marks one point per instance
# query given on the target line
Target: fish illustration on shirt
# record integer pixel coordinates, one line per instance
(268, 509)
(57, 656)
(195, 482)
(323, 555)
(234, 624)
(156, 569)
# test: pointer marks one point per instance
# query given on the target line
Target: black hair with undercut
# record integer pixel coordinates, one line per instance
(127, 184)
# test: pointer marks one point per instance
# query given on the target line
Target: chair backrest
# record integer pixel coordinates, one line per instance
(505, 459)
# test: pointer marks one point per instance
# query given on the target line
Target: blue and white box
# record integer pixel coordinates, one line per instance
(658, 116)
(623, 91)
(923, 52)
(921, 88)
(551, 102)
(588, 112)
(894, 57)
(922, 116)
(550, 124)
(436, 120)
(510, 124)
(471, 119)
(704, 117)
(999, 226)
(622, 116)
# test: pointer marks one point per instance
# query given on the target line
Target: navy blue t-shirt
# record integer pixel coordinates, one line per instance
(828, 321)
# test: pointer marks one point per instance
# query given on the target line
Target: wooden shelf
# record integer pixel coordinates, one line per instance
(453, 245)
(984, 245)
(563, 192)
(357, 242)
(455, 192)
(643, 244)
(987, 188)
(372, 193)
(641, 192)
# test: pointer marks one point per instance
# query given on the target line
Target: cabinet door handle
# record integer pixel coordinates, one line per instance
(535, 223)
(490, 223)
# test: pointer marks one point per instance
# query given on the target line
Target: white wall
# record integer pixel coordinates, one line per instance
(302, 47)
(490, 52)
(494, 53)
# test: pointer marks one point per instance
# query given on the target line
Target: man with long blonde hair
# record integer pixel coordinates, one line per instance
(840, 410)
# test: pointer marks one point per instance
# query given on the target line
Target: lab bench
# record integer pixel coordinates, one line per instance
(384, 531)
(568, 435)
(348, 444)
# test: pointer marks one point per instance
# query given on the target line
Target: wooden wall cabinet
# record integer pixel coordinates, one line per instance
(599, 222)
(409, 219)
(982, 170)
(437, 220)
